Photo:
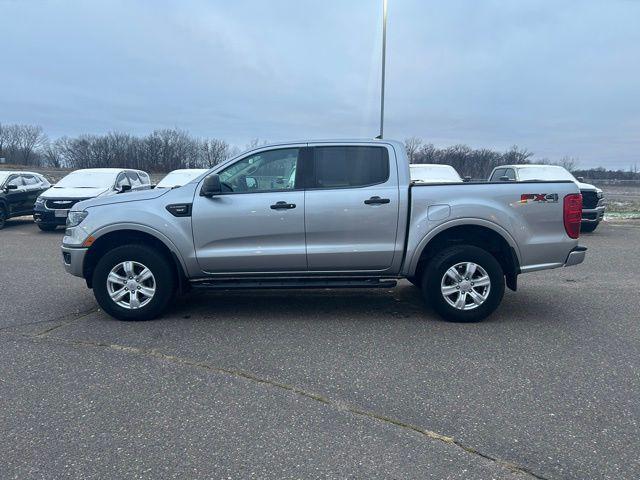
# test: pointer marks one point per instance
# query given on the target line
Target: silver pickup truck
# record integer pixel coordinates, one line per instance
(322, 214)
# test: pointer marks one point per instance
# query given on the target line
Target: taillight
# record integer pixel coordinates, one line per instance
(572, 214)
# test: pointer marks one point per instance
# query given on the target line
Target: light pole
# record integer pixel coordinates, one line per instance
(384, 54)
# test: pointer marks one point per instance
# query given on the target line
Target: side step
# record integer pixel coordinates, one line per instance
(237, 284)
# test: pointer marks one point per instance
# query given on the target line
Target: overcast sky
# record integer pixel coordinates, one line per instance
(556, 77)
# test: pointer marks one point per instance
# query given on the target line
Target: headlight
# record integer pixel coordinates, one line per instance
(40, 201)
(75, 218)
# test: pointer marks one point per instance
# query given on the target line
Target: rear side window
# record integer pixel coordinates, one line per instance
(343, 167)
(30, 181)
(144, 178)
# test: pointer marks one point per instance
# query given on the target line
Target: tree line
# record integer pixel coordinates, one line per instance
(478, 163)
(168, 149)
(160, 151)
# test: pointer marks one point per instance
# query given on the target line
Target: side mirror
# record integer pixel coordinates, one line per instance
(211, 186)
(124, 188)
(466, 179)
(580, 179)
(11, 187)
(504, 179)
(152, 186)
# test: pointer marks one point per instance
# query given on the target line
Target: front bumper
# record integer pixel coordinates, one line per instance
(593, 215)
(47, 217)
(73, 260)
(576, 256)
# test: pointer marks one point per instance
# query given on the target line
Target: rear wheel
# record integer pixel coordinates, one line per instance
(463, 283)
(47, 227)
(589, 227)
(134, 282)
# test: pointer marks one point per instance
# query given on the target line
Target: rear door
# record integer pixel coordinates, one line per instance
(33, 186)
(257, 224)
(351, 208)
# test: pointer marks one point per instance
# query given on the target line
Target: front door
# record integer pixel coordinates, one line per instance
(257, 224)
(17, 198)
(351, 209)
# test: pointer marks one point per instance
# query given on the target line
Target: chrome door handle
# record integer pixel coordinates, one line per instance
(376, 201)
(283, 206)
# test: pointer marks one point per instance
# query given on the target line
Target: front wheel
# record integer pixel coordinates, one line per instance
(463, 283)
(134, 282)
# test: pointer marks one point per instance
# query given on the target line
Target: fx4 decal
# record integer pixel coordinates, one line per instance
(539, 197)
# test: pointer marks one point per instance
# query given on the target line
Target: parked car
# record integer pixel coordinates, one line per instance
(592, 197)
(434, 173)
(18, 193)
(52, 207)
(177, 178)
(350, 217)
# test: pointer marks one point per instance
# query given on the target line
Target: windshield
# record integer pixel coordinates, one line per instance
(177, 179)
(434, 173)
(84, 179)
(545, 172)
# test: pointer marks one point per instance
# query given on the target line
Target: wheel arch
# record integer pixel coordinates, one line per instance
(110, 238)
(477, 232)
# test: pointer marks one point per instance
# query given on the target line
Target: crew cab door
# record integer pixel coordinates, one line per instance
(257, 223)
(351, 208)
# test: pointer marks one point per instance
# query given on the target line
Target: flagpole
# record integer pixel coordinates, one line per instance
(384, 54)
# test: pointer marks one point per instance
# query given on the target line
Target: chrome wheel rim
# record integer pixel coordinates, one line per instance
(131, 285)
(465, 286)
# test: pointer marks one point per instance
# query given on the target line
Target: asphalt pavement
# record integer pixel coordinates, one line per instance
(322, 383)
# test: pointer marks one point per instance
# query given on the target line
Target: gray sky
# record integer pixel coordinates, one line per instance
(557, 77)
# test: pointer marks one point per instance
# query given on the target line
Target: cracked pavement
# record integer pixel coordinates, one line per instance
(321, 384)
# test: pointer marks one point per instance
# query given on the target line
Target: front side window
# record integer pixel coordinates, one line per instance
(344, 167)
(17, 181)
(133, 178)
(510, 174)
(272, 170)
(122, 180)
(497, 174)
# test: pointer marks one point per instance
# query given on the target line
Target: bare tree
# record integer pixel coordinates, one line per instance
(214, 151)
(570, 163)
(255, 143)
(412, 145)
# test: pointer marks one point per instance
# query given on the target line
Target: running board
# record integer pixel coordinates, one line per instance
(237, 284)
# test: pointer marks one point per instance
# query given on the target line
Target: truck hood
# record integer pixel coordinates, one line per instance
(121, 198)
(74, 192)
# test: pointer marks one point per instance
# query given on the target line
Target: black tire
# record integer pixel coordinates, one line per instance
(161, 268)
(588, 227)
(45, 227)
(3, 217)
(416, 281)
(449, 257)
